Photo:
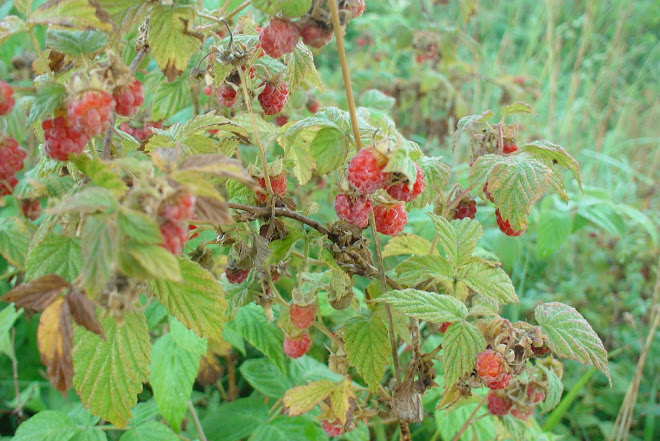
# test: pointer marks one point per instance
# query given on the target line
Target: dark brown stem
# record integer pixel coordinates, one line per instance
(232, 390)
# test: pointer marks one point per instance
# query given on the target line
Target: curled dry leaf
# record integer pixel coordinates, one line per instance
(55, 342)
(38, 294)
(84, 312)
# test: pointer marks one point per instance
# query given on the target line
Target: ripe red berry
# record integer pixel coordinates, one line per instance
(62, 139)
(129, 99)
(226, 94)
(6, 98)
(179, 208)
(466, 208)
(522, 414)
(491, 368)
(280, 120)
(315, 34)
(444, 326)
(499, 384)
(487, 194)
(505, 226)
(237, 275)
(390, 219)
(402, 190)
(365, 171)
(7, 185)
(11, 158)
(273, 97)
(302, 317)
(354, 210)
(509, 147)
(175, 235)
(498, 405)
(313, 105)
(90, 113)
(333, 428)
(208, 90)
(296, 347)
(141, 133)
(277, 183)
(31, 208)
(279, 37)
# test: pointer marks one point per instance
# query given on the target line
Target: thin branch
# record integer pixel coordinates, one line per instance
(469, 421)
(14, 371)
(339, 37)
(198, 425)
(281, 212)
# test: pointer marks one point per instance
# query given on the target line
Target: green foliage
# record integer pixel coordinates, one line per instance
(367, 347)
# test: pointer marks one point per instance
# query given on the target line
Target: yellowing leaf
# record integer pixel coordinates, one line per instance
(54, 339)
(171, 39)
(407, 244)
(9, 26)
(367, 347)
(79, 14)
(342, 400)
(302, 399)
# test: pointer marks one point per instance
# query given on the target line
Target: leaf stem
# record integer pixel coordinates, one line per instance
(341, 50)
(469, 421)
(198, 425)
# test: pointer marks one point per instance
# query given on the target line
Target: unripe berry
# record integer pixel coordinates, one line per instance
(390, 219)
(296, 347)
(313, 105)
(208, 90)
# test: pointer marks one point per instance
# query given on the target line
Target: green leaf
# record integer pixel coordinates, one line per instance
(517, 107)
(103, 175)
(553, 394)
(149, 262)
(605, 216)
(284, 428)
(367, 347)
(400, 162)
(149, 431)
(90, 434)
(76, 43)
(468, 121)
(302, 399)
(109, 373)
(297, 151)
(265, 378)
(553, 230)
(7, 318)
(296, 8)
(88, 200)
(49, 97)
(305, 369)
(235, 420)
(329, 149)
(448, 422)
(423, 305)
(488, 280)
(300, 69)
(375, 99)
(458, 238)
(555, 153)
(139, 227)
(169, 98)
(172, 38)
(570, 336)
(48, 425)
(406, 244)
(251, 323)
(100, 246)
(9, 26)
(55, 254)
(80, 14)
(460, 347)
(15, 239)
(420, 269)
(198, 302)
(174, 364)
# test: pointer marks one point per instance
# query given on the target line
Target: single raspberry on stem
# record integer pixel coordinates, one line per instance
(11, 157)
(302, 317)
(279, 37)
(62, 139)
(273, 97)
(505, 226)
(90, 112)
(179, 207)
(227, 95)
(315, 34)
(365, 171)
(237, 275)
(404, 192)
(296, 347)
(129, 99)
(498, 405)
(466, 209)
(390, 219)
(277, 183)
(491, 368)
(509, 147)
(175, 235)
(444, 326)
(354, 210)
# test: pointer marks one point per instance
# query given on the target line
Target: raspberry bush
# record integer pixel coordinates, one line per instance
(232, 254)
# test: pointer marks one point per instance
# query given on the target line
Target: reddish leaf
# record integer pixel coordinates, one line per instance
(84, 312)
(38, 294)
(55, 342)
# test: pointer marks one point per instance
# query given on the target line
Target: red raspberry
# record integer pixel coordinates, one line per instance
(279, 37)
(62, 139)
(178, 208)
(510, 147)
(498, 405)
(11, 158)
(333, 428)
(313, 105)
(302, 317)
(444, 326)
(175, 235)
(354, 210)
(487, 194)
(277, 183)
(390, 219)
(208, 90)
(315, 34)
(490, 367)
(7, 185)
(91, 112)
(534, 394)
(505, 226)
(274, 97)
(365, 171)
(521, 414)
(31, 208)
(6, 98)
(466, 208)
(129, 99)
(402, 191)
(237, 275)
(226, 94)
(296, 347)
(280, 120)
(141, 133)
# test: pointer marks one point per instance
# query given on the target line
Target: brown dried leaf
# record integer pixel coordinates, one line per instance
(38, 294)
(407, 403)
(218, 165)
(213, 211)
(55, 342)
(210, 370)
(84, 312)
